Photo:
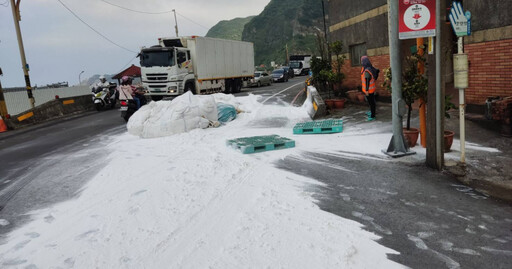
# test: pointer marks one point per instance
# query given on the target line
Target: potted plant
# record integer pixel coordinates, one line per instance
(414, 86)
(327, 76)
(448, 135)
(336, 76)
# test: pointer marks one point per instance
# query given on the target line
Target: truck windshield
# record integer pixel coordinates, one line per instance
(295, 65)
(157, 58)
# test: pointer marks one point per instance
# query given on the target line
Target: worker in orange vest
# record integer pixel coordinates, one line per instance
(369, 75)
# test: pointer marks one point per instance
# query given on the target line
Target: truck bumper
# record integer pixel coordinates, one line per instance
(168, 89)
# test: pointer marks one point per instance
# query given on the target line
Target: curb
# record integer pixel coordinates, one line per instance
(501, 190)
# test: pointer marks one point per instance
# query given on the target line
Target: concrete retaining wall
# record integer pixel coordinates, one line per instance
(57, 108)
(17, 99)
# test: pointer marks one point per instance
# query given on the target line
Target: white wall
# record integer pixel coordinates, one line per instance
(18, 102)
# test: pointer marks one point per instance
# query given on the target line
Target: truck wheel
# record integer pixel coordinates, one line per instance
(237, 86)
(189, 87)
(227, 85)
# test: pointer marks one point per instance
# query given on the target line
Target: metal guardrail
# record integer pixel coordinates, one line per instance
(17, 101)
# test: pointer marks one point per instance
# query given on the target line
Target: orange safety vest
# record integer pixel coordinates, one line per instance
(372, 87)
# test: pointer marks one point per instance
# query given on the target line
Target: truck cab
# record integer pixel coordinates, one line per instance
(300, 64)
(165, 71)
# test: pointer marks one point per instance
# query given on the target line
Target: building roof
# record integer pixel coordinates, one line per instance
(132, 71)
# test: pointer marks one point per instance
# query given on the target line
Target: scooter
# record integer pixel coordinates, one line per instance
(128, 105)
(105, 97)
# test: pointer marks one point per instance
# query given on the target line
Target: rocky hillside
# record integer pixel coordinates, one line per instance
(229, 29)
(284, 22)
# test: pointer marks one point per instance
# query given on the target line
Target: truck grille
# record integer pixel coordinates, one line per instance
(156, 77)
(156, 86)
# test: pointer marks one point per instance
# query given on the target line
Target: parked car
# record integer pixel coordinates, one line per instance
(260, 78)
(280, 75)
(289, 70)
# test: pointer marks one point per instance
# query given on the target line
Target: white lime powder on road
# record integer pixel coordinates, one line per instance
(188, 201)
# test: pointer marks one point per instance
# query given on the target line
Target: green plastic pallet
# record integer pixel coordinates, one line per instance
(255, 144)
(319, 127)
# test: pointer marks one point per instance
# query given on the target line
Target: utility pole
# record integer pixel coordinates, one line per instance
(439, 108)
(17, 18)
(325, 33)
(287, 56)
(176, 22)
(397, 146)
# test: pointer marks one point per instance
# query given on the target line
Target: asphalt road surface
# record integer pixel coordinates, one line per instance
(51, 163)
(433, 221)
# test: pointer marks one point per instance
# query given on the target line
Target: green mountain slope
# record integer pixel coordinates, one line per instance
(284, 22)
(231, 29)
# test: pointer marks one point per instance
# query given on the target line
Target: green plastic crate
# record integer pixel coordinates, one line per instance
(319, 127)
(255, 144)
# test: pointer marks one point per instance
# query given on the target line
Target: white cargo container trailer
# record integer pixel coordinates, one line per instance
(198, 64)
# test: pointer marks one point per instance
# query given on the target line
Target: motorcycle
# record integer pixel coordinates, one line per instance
(128, 105)
(105, 97)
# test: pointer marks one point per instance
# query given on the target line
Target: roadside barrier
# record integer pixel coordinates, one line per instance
(17, 101)
(3, 126)
(54, 109)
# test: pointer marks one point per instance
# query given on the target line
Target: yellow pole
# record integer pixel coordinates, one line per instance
(423, 106)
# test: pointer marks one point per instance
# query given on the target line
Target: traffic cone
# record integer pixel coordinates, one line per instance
(3, 127)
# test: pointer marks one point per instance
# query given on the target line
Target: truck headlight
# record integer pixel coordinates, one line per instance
(172, 89)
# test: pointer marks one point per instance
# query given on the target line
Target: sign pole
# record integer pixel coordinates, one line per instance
(462, 107)
(439, 109)
(397, 146)
(461, 23)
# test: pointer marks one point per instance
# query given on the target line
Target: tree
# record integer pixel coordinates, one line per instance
(324, 76)
(414, 84)
(337, 76)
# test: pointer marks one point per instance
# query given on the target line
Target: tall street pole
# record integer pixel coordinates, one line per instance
(17, 18)
(397, 147)
(79, 78)
(325, 33)
(176, 22)
(440, 110)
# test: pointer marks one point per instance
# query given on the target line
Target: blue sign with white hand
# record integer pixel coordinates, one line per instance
(460, 21)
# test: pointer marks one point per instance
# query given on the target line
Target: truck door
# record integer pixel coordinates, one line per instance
(184, 63)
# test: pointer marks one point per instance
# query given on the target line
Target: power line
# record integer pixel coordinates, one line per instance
(193, 21)
(154, 13)
(106, 38)
(136, 11)
(128, 63)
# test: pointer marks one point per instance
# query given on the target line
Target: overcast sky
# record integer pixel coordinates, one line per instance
(58, 46)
